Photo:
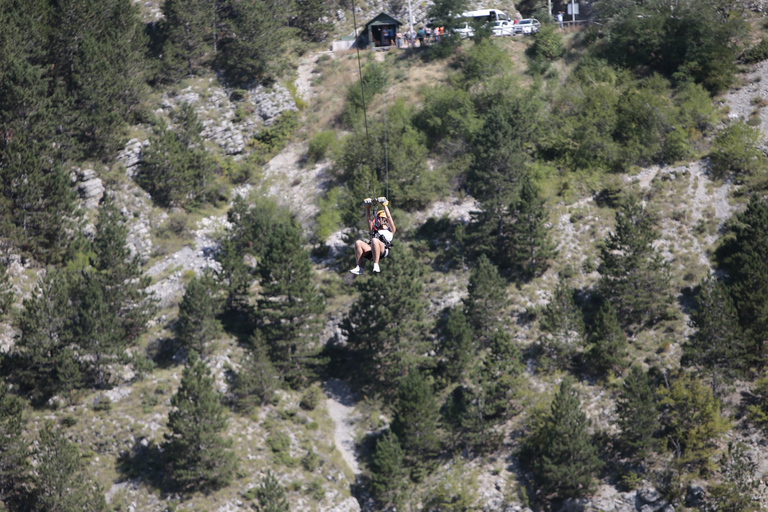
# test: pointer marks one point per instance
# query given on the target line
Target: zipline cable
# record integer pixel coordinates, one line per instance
(362, 90)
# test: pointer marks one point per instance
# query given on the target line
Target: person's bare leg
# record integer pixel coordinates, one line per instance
(360, 249)
(378, 249)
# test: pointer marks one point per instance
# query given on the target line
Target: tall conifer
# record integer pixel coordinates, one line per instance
(416, 418)
(529, 247)
(486, 299)
(199, 455)
(198, 325)
(634, 276)
(637, 408)
(608, 351)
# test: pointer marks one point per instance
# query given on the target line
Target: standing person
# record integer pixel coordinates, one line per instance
(420, 35)
(399, 39)
(382, 229)
(560, 19)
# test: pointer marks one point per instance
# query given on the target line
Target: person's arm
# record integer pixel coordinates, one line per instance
(384, 202)
(370, 220)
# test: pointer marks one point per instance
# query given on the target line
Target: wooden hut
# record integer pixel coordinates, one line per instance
(379, 32)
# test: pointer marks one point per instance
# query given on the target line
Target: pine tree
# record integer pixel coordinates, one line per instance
(529, 246)
(634, 277)
(197, 324)
(290, 308)
(637, 408)
(386, 324)
(500, 376)
(567, 462)
(271, 495)
(744, 255)
(563, 320)
(60, 482)
(257, 380)
(14, 448)
(692, 421)
(45, 330)
(6, 290)
(717, 344)
(486, 299)
(95, 54)
(388, 470)
(252, 47)
(415, 420)
(200, 457)
(176, 169)
(608, 351)
(187, 34)
(310, 17)
(458, 345)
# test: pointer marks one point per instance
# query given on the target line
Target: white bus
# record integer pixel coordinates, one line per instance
(485, 15)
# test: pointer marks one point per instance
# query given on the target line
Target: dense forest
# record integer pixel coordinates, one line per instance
(573, 315)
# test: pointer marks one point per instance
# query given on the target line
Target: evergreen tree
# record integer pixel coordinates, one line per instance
(13, 450)
(290, 308)
(566, 460)
(415, 420)
(310, 16)
(60, 482)
(253, 44)
(95, 51)
(634, 277)
(637, 409)
(257, 380)
(44, 327)
(562, 319)
(500, 376)
(529, 245)
(463, 418)
(718, 343)
(6, 290)
(458, 345)
(692, 421)
(120, 273)
(744, 255)
(608, 351)
(200, 457)
(187, 30)
(486, 299)
(39, 207)
(197, 324)
(271, 495)
(176, 169)
(388, 471)
(386, 324)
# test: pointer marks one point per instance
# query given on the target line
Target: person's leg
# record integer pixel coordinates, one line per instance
(360, 249)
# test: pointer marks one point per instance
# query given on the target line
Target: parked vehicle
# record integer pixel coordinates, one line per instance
(503, 28)
(526, 26)
(465, 31)
(485, 15)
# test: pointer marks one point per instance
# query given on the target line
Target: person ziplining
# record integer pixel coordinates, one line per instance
(382, 229)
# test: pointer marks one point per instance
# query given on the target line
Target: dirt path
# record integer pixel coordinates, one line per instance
(341, 408)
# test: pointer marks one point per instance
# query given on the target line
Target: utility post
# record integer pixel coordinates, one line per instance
(410, 22)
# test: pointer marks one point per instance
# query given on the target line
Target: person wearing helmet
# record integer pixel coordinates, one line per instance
(382, 229)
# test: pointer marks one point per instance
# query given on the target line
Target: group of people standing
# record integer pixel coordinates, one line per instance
(423, 35)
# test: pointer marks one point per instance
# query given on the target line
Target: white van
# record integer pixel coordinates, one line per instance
(486, 15)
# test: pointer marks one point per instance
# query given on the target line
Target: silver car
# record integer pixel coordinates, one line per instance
(526, 26)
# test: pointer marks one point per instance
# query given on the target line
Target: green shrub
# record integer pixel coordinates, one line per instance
(320, 144)
(483, 60)
(238, 95)
(329, 218)
(311, 398)
(102, 403)
(374, 80)
(272, 139)
(548, 43)
(311, 461)
(735, 149)
(757, 53)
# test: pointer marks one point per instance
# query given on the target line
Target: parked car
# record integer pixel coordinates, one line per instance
(465, 31)
(502, 28)
(526, 26)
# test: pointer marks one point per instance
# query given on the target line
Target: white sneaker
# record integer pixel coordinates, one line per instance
(358, 271)
(376, 268)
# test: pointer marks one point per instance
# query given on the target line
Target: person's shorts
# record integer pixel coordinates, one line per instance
(369, 255)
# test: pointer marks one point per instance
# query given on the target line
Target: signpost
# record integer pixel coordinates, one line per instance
(573, 10)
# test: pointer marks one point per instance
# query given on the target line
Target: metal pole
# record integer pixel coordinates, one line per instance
(573, 12)
(410, 21)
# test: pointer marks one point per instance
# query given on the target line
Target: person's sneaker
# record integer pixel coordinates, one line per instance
(358, 271)
(376, 268)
